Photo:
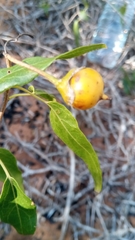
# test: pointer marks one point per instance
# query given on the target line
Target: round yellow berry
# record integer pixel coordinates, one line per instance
(82, 88)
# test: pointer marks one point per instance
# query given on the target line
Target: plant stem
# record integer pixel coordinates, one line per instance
(6, 93)
(45, 75)
(5, 170)
(18, 95)
(30, 94)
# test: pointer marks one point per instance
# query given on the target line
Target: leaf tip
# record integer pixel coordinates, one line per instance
(98, 189)
(98, 183)
(104, 46)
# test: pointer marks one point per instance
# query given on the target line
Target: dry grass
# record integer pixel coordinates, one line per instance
(59, 183)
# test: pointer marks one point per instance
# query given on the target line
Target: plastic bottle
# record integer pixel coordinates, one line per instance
(113, 28)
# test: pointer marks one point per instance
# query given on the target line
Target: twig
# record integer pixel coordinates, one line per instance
(6, 94)
(69, 196)
(45, 75)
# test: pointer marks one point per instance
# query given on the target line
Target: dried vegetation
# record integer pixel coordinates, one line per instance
(54, 178)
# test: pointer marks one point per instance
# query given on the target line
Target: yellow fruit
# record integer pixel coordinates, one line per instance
(82, 88)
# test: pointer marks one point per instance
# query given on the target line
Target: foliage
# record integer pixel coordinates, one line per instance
(45, 6)
(129, 82)
(82, 16)
(15, 207)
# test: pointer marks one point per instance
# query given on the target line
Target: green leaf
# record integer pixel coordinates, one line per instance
(16, 208)
(44, 94)
(122, 10)
(9, 161)
(20, 76)
(86, 3)
(81, 50)
(45, 7)
(66, 128)
(128, 82)
(76, 32)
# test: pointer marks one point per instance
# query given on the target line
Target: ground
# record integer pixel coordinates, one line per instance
(43, 159)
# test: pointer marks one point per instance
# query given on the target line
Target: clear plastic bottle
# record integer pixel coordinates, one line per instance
(113, 28)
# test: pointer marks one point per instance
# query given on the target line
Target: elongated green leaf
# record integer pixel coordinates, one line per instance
(16, 208)
(76, 32)
(123, 9)
(80, 51)
(44, 94)
(9, 161)
(66, 128)
(20, 76)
